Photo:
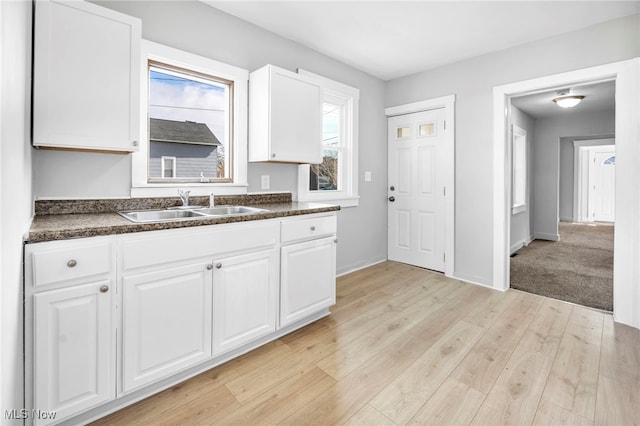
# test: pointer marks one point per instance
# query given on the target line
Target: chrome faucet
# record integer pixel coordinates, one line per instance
(184, 197)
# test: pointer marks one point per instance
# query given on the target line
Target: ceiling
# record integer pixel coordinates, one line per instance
(598, 97)
(391, 39)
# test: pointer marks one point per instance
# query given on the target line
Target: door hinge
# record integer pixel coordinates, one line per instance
(445, 124)
(444, 191)
(444, 257)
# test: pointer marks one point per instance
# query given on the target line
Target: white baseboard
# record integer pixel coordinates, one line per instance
(470, 279)
(357, 268)
(545, 236)
(523, 243)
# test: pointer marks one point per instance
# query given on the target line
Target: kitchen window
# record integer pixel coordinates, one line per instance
(336, 178)
(193, 125)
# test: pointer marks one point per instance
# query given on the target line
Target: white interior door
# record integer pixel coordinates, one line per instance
(416, 192)
(603, 184)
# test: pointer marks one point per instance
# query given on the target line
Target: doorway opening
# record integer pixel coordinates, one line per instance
(562, 234)
(626, 74)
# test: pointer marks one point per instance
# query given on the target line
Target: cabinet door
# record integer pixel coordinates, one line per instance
(166, 322)
(296, 117)
(74, 358)
(308, 281)
(244, 297)
(86, 77)
(285, 117)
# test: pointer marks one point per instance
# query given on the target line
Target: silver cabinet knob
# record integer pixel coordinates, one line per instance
(134, 143)
(209, 267)
(218, 265)
(392, 199)
(104, 289)
(392, 188)
(335, 240)
(273, 155)
(72, 263)
(313, 228)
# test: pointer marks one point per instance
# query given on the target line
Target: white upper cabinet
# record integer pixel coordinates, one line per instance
(86, 77)
(285, 117)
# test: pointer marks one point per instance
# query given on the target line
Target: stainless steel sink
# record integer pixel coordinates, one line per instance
(171, 214)
(161, 215)
(229, 210)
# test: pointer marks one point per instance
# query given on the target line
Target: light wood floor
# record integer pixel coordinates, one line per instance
(409, 346)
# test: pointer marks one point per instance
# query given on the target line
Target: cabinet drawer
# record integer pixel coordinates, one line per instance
(303, 229)
(57, 262)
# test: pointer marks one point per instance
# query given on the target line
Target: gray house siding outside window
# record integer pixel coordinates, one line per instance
(193, 145)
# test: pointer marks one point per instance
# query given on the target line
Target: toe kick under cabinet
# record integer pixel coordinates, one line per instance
(111, 319)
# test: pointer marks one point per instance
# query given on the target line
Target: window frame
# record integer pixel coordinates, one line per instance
(158, 53)
(518, 168)
(347, 194)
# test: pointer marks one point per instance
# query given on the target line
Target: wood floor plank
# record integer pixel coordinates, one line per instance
(403, 397)
(340, 364)
(514, 398)
(162, 409)
(282, 400)
(368, 416)
(618, 403)
(453, 404)
(485, 362)
(551, 414)
(620, 353)
(489, 308)
(574, 375)
(340, 402)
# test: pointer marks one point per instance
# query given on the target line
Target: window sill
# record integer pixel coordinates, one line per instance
(518, 209)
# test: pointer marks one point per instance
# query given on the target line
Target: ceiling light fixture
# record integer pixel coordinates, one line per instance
(565, 100)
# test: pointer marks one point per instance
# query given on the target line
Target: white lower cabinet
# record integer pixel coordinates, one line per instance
(106, 317)
(244, 299)
(73, 356)
(166, 322)
(70, 344)
(308, 279)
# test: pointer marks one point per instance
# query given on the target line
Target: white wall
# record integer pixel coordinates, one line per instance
(15, 191)
(522, 223)
(472, 81)
(201, 29)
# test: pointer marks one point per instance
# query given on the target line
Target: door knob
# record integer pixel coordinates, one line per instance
(392, 199)
(104, 289)
(392, 188)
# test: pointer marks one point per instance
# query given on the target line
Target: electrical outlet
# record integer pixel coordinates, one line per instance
(265, 182)
(367, 176)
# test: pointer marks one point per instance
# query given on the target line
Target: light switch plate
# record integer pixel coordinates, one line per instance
(367, 176)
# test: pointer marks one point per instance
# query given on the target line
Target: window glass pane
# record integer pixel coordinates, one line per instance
(403, 132)
(427, 129)
(610, 161)
(324, 176)
(189, 116)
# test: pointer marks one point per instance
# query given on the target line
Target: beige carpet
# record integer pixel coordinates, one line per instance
(577, 269)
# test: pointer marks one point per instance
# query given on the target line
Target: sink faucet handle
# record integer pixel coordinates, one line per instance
(184, 196)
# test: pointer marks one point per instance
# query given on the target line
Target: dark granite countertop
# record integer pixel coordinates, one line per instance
(91, 222)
